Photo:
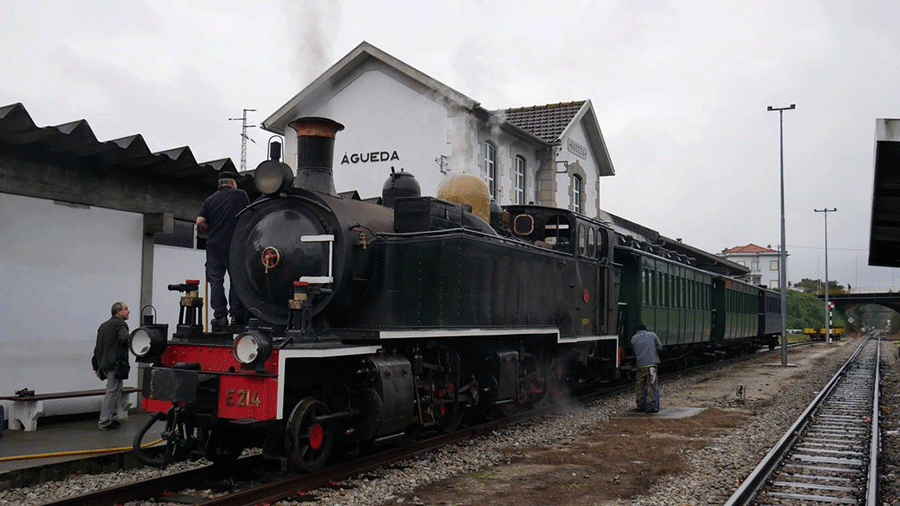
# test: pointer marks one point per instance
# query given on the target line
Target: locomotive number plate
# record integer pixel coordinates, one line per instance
(242, 398)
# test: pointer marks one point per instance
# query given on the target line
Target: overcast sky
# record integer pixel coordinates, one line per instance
(680, 89)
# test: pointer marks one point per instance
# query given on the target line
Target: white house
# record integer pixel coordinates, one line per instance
(762, 262)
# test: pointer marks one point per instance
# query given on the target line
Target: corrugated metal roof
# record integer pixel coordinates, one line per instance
(75, 141)
(544, 121)
(884, 235)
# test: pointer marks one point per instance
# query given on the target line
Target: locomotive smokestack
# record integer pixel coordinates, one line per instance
(315, 153)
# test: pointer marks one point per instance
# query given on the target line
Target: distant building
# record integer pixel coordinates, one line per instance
(396, 116)
(762, 262)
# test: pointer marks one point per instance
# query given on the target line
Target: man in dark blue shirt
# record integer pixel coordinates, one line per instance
(218, 217)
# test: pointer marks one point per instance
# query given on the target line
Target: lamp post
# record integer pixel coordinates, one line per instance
(782, 274)
(827, 307)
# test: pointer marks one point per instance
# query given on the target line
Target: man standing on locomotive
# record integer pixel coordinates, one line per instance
(218, 216)
(110, 362)
(645, 345)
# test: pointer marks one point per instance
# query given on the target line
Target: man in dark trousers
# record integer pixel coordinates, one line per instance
(112, 350)
(645, 345)
(218, 218)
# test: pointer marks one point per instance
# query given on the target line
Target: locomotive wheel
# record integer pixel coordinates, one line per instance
(310, 442)
(536, 381)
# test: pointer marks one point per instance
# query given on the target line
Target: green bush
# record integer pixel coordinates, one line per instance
(808, 311)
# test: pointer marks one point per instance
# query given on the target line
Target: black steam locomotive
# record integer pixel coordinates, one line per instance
(373, 321)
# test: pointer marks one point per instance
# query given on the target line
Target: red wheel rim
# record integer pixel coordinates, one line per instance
(316, 436)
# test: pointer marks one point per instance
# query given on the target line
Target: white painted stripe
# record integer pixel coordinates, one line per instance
(283, 355)
(581, 339)
(434, 333)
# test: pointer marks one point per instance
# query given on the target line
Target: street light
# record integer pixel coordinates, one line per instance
(827, 307)
(782, 275)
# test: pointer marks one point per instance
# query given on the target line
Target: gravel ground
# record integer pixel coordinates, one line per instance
(594, 456)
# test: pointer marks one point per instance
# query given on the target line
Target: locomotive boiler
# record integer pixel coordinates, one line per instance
(373, 321)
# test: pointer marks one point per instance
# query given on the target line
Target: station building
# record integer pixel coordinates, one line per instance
(396, 116)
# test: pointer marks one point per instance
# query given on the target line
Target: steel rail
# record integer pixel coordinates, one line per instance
(872, 490)
(756, 481)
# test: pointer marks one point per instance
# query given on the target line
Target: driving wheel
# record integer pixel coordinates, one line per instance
(310, 441)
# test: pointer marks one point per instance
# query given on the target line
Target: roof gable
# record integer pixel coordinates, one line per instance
(750, 248)
(552, 122)
(544, 121)
(363, 53)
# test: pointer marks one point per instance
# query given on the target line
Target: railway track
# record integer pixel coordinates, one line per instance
(264, 489)
(830, 454)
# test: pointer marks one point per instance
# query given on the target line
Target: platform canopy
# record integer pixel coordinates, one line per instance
(884, 240)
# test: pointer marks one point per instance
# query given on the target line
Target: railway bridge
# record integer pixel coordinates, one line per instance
(847, 301)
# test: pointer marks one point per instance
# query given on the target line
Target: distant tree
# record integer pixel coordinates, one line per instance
(807, 285)
(814, 286)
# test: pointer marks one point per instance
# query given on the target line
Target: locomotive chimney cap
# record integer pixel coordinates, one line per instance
(315, 126)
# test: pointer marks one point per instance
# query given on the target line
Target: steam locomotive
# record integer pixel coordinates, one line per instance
(372, 321)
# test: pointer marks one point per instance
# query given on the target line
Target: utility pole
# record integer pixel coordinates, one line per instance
(827, 287)
(782, 274)
(244, 137)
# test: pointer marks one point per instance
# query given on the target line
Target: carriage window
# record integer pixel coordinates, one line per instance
(592, 242)
(645, 290)
(557, 233)
(582, 240)
(601, 242)
(660, 297)
(523, 225)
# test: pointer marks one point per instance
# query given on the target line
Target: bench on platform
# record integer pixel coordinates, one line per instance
(25, 410)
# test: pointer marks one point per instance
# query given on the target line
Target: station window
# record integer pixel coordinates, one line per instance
(490, 165)
(577, 193)
(520, 180)
(773, 265)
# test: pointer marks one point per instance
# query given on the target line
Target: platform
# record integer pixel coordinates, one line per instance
(664, 412)
(70, 436)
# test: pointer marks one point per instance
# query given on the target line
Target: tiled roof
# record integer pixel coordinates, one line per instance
(76, 141)
(750, 248)
(544, 121)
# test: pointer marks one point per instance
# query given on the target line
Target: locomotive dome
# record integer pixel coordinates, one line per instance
(467, 189)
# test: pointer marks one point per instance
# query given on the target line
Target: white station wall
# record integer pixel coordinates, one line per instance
(61, 268)
(400, 126)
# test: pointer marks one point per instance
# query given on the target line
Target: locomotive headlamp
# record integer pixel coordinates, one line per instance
(272, 176)
(251, 347)
(148, 341)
